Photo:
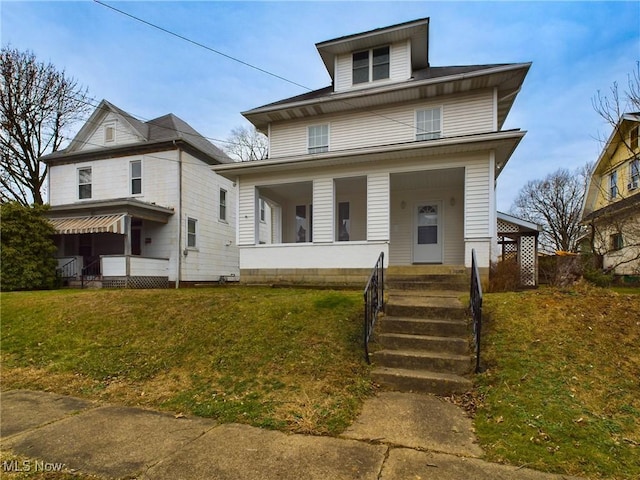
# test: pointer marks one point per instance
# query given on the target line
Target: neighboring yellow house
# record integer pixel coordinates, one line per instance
(611, 208)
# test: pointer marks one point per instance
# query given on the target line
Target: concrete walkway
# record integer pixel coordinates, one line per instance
(397, 436)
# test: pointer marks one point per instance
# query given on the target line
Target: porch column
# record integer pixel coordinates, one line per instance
(378, 206)
(127, 235)
(247, 205)
(479, 201)
(323, 208)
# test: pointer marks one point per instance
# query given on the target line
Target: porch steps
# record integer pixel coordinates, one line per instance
(424, 334)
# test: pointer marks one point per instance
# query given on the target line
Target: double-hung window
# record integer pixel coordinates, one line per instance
(613, 185)
(84, 183)
(135, 170)
(634, 174)
(192, 232)
(633, 138)
(616, 241)
(428, 124)
(370, 65)
(318, 138)
(223, 205)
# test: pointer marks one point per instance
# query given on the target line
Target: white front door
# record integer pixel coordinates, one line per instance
(427, 232)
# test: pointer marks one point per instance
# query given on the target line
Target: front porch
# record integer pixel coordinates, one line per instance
(329, 230)
(112, 244)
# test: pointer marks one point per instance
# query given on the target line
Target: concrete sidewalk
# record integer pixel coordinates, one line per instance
(397, 436)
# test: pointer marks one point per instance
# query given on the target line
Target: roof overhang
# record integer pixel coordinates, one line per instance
(63, 157)
(502, 143)
(523, 225)
(101, 208)
(507, 79)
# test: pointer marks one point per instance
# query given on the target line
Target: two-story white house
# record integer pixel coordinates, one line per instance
(136, 203)
(396, 156)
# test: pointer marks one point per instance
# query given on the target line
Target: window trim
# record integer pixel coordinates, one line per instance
(89, 183)
(110, 127)
(634, 174)
(318, 148)
(192, 235)
(431, 132)
(616, 242)
(370, 67)
(132, 178)
(613, 185)
(222, 205)
(634, 132)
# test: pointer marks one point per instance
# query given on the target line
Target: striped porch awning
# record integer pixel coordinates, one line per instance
(93, 224)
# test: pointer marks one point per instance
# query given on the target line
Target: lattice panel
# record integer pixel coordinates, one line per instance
(509, 250)
(135, 282)
(506, 227)
(528, 261)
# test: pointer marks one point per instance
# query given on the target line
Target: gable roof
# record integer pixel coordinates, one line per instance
(602, 165)
(162, 133)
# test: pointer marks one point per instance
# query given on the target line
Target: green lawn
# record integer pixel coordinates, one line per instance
(277, 358)
(562, 388)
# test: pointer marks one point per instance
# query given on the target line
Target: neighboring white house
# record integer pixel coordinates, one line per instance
(396, 156)
(137, 204)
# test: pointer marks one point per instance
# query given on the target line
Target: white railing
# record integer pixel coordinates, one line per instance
(133, 266)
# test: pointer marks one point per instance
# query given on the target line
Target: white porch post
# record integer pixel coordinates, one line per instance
(247, 205)
(378, 206)
(323, 208)
(479, 210)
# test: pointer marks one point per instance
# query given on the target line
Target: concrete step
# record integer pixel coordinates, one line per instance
(440, 362)
(403, 341)
(426, 270)
(413, 284)
(421, 381)
(398, 308)
(422, 326)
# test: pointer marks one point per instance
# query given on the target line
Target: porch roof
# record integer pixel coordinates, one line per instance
(503, 143)
(118, 206)
(93, 224)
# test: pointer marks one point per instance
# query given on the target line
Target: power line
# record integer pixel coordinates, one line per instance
(218, 52)
(242, 62)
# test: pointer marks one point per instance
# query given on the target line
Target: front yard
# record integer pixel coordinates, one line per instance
(561, 390)
(275, 358)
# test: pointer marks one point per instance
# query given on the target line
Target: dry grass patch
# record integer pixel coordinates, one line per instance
(278, 358)
(562, 388)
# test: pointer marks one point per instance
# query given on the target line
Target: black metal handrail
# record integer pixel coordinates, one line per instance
(373, 301)
(69, 269)
(92, 269)
(475, 305)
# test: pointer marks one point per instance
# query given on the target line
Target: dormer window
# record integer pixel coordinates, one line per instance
(371, 65)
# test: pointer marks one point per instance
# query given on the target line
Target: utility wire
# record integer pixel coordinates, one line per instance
(218, 52)
(242, 62)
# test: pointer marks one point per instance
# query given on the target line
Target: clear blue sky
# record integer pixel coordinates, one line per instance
(577, 49)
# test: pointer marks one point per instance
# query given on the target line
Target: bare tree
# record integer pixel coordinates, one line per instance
(246, 144)
(555, 203)
(614, 230)
(38, 104)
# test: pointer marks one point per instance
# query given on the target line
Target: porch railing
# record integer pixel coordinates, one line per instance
(475, 305)
(373, 301)
(92, 269)
(69, 269)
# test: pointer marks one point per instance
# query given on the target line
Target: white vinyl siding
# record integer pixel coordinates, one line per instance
(461, 115)
(477, 200)
(378, 206)
(247, 211)
(323, 210)
(122, 134)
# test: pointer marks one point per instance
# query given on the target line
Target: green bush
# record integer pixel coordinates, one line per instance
(593, 274)
(27, 255)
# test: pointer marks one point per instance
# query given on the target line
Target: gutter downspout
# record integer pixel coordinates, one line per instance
(179, 266)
